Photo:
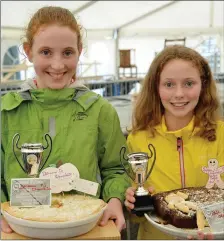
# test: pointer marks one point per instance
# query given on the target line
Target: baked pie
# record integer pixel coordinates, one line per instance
(62, 209)
(181, 207)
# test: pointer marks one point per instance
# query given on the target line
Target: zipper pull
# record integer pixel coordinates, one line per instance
(178, 143)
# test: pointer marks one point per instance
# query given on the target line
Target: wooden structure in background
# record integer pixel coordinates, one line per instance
(12, 70)
(127, 61)
(169, 42)
(84, 67)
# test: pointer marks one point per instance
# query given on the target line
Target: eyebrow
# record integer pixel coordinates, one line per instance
(188, 78)
(47, 47)
(69, 48)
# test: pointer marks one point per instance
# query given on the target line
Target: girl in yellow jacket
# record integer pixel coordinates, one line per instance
(179, 113)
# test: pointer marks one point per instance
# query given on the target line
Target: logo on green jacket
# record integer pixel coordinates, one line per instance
(80, 116)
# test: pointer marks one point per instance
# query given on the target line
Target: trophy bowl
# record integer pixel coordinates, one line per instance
(32, 155)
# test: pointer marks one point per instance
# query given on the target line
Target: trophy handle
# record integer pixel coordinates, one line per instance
(121, 160)
(150, 156)
(45, 136)
(13, 148)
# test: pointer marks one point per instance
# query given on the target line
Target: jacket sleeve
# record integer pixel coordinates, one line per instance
(114, 180)
(4, 192)
(3, 185)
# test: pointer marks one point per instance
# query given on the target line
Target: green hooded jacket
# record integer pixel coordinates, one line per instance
(84, 128)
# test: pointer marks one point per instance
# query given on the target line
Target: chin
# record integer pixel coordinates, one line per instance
(182, 115)
(57, 86)
(179, 113)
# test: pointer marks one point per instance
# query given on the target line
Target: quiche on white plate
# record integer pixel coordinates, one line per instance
(63, 209)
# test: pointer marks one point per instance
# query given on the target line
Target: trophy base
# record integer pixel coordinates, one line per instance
(143, 204)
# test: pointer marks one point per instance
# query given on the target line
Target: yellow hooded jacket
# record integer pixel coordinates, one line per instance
(180, 157)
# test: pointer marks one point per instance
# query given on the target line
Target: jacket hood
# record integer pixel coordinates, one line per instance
(76, 92)
(29, 84)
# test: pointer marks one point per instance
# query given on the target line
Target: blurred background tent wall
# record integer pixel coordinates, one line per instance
(108, 27)
(143, 26)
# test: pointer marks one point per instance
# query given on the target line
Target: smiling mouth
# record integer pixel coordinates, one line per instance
(179, 104)
(56, 75)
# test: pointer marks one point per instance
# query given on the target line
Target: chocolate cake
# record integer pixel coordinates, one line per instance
(180, 207)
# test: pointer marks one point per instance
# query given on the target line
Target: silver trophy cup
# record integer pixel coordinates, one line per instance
(139, 171)
(32, 155)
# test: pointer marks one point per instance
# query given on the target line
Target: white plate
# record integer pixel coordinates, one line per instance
(52, 230)
(179, 232)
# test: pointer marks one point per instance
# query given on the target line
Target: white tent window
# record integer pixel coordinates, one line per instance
(211, 52)
(10, 59)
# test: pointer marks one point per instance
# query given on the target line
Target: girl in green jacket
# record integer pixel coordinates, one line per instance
(178, 111)
(84, 127)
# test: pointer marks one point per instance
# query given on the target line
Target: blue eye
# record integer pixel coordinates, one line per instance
(45, 52)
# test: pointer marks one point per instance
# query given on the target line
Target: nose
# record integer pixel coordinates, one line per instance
(179, 92)
(57, 63)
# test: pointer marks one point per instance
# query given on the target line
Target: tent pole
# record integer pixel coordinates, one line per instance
(116, 49)
(211, 20)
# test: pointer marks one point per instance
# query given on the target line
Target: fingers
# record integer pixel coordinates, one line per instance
(202, 236)
(5, 227)
(210, 236)
(105, 218)
(129, 197)
(189, 237)
(130, 191)
(120, 223)
(129, 205)
(114, 211)
(151, 189)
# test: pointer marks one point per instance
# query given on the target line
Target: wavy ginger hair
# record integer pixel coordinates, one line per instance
(149, 110)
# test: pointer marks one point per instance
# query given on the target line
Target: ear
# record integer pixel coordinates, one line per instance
(28, 51)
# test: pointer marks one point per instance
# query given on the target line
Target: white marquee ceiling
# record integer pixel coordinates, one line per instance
(132, 18)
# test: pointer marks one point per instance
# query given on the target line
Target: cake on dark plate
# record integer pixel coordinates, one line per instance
(181, 207)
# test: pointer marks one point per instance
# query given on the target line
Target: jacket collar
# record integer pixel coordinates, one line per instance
(30, 84)
(188, 131)
(76, 92)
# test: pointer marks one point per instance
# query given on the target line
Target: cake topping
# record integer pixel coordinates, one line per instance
(187, 202)
(171, 206)
(182, 207)
(173, 198)
(200, 219)
(183, 195)
(191, 205)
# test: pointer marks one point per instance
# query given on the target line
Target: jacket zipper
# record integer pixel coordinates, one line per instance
(181, 160)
